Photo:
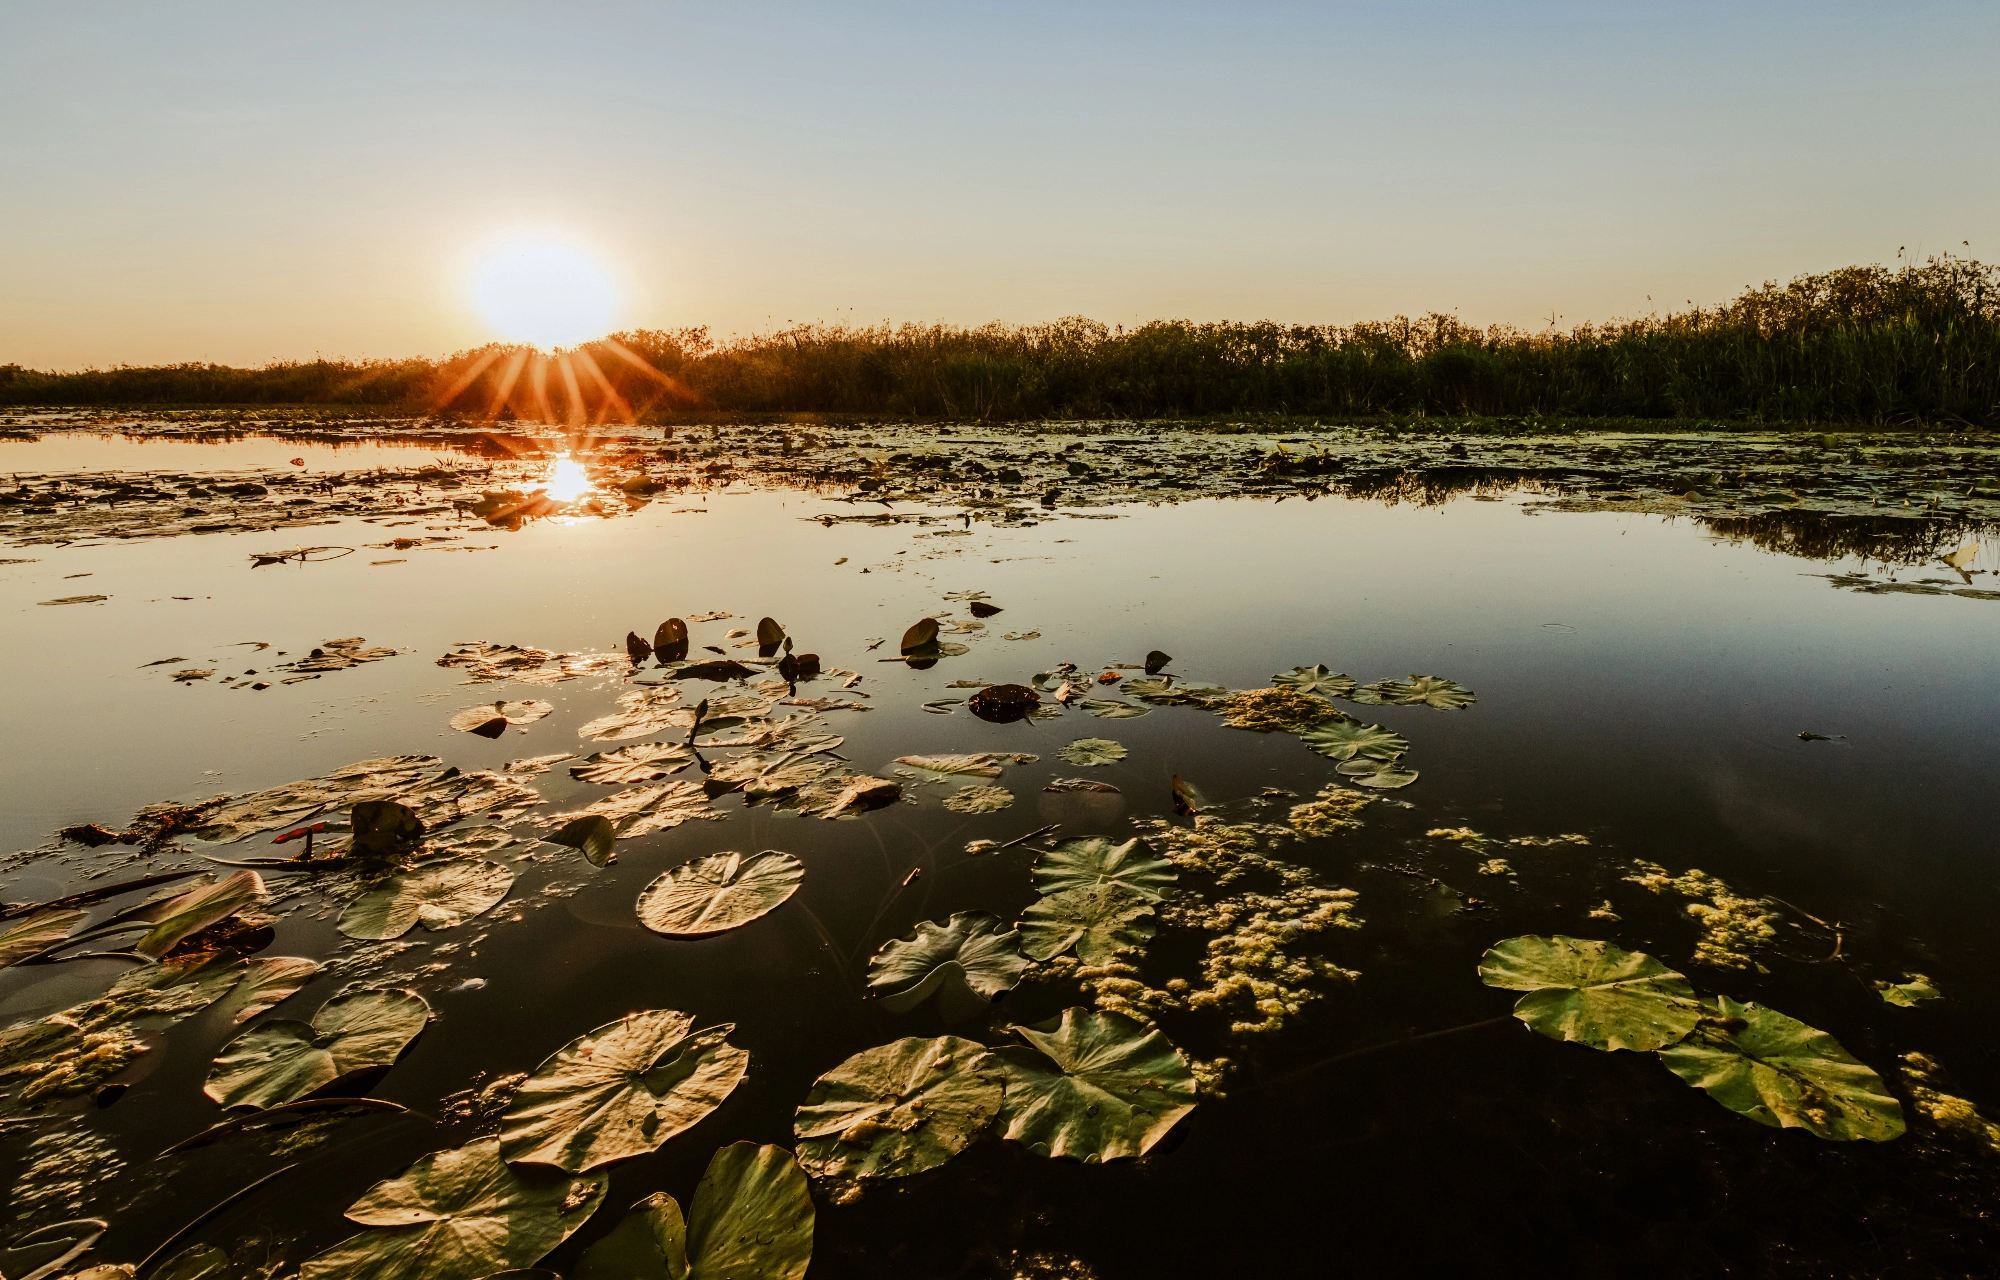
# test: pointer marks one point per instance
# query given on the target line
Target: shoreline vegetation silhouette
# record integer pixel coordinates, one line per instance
(1916, 345)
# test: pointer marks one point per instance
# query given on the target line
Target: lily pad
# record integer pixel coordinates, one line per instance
(1096, 1086)
(1079, 864)
(186, 914)
(1380, 774)
(1167, 691)
(722, 891)
(1093, 751)
(490, 720)
(459, 1215)
(1592, 992)
(621, 1091)
(898, 1109)
(979, 799)
(283, 1060)
(1317, 680)
(1003, 703)
(1783, 1073)
(592, 834)
(36, 932)
(968, 954)
(670, 642)
(1100, 921)
(922, 635)
(437, 895)
(649, 1243)
(1113, 709)
(976, 764)
(267, 981)
(638, 811)
(1911, 991)
(1425, 691)
(384, 830)
(752, 1217)
(644, 762)
(47, 1250)
(1346, 739)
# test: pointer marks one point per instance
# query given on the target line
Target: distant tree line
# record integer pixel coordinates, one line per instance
(1913, 345)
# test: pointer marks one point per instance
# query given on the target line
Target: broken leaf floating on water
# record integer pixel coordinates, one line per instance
(1087, 752)
(283, 1060)
(1080, 864)
(1346, 739)
(636, 648)
(979, 799)
(1113, 709)
(921, 637)
(1156, 662)
(622, 1090)
(1592, 992)
(1912, 990)
(898, 1109)
(1095, 1087)
(1426, 691)
(722, 891)
(966, 961)
(751, 1219)
(1317, 680)
(460, 1214)
(592, 835)
(438, 895)
(1099, 920)
(1780, 1072)
(490, 720)
(37, 932)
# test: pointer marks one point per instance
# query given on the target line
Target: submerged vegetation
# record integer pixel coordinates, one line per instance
(1915, 344)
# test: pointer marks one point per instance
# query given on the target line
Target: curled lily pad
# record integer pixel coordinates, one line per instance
(284, 1060)
(968, 954)
(1317, 680)
(649, 1243)
(459, 1215)
(437, 895)
(1095, 1086)
(922, 635)
(592, 834)
(1418, 691)
(385, 830)
(1099, 920)
(182, 916)
(1592, 992)
(898, 1109)
(670, 642)
(1093, 751)
(621, 1091)
(1113, 708)
(490, 720)
(1783, 1073)
(979, 799)
(752, 1217)
(1156, 662)
(719, 892)
(1346, 739)
(1078, 864)
(36, 932)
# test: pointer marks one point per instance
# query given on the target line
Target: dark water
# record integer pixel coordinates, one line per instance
(1639, 682)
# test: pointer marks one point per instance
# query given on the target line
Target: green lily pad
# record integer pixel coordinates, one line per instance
(719, 892)
(283, 1060)
(1113, 709)
(979, 799)
(1778, 1071)
(898, 1109)
(1096, 1086)
(752, 1217)
(437, 895)
(1100, 920)
(35, 933)
(1383, 775)
(1093, 751)
(459, 1215)
(978, 764)
(1078, 864)
(968, 954)
(1166, 691)
(621, 1091)
(1346, 739)
(1911, 991)
(1316, 680)
(1592, 992)
(266, 982)
(649, 1243)
(1424, 691)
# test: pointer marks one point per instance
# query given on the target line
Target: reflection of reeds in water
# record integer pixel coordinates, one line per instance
(1814, 535)
(1917, 344)
(1434, 486)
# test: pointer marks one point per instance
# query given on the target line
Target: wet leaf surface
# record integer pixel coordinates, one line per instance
(1424, 691)
(1093, 1087)
(283, 1060)
(722, 891)
(621, 1091)
(1099, 920)
(898, 1109)
(438, 895)
(1780, 1072)
(1093, 751)
(1317, 680)
(592, 835)
(979, 799)
(1080, 864)
(968, 953)
(752, 1216)
(1592, 992)
(1347, 739)
(639, 811)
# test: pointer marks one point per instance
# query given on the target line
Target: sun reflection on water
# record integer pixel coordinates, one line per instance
(567, 481)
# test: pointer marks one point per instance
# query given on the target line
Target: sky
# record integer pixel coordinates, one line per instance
(243, 183)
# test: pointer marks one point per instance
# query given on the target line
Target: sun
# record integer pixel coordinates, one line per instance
(544, 289)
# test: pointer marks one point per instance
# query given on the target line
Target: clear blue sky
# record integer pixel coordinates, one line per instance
(242, 182)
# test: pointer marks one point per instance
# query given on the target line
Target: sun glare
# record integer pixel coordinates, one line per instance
(544, 290)
(567, 481)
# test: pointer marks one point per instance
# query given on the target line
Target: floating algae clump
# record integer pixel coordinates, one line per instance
(1286, 710)
(1952, 1114)
(1460, 835)
(1334, 810)
(61, 1059)
(61, 1168)
(1224, 850)
(1730, 924)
